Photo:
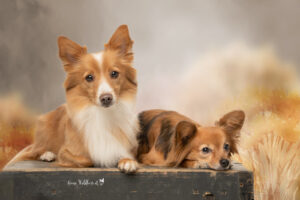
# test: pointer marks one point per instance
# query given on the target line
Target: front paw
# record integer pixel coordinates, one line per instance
(128, 166)
(48, 156)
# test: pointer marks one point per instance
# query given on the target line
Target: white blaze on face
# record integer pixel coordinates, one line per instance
(103, 87)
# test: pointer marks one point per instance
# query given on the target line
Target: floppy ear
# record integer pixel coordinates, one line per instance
(232, 122)
(185, 131)
(120, 41)
(69, 51)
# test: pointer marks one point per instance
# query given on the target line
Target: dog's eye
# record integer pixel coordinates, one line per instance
(114, 74)
(226, 147)
(89, 78)
(205, 150)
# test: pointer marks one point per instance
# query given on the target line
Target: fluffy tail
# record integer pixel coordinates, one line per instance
(24, 154)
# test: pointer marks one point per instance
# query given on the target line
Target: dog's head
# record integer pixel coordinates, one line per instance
(210, 147)
(102, 79)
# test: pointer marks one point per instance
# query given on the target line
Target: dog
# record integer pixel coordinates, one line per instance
(97, 126)
(170, 139)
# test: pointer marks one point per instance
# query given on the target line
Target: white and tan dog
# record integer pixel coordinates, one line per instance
(98, 125)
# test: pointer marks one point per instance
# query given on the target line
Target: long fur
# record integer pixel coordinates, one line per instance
(87, 131)
(99, 126)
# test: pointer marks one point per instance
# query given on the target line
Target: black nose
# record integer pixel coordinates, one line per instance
(106, 100)
(224, 163)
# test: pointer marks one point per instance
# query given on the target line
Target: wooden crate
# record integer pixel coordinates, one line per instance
(30, 180)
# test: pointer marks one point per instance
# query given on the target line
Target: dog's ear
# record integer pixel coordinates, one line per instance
(69, 51)
(232, 122)
(120, 41)
(185, 131)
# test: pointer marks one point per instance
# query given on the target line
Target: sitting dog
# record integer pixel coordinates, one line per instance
(98, 125)
(168, 138)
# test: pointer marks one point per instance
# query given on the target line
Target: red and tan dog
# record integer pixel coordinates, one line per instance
(98, 125)
(168, 138)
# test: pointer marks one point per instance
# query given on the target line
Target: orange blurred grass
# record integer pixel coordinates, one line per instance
(17, 125)
(271, 110)
(270, 143)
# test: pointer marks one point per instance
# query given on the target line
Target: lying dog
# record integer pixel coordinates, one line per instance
(98, 125)
(168, 138)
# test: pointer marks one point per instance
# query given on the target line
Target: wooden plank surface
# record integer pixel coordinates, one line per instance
(41, 180)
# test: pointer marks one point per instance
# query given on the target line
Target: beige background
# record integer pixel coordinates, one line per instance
(169, 37)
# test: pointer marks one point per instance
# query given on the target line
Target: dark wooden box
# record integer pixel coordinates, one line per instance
(30, 180)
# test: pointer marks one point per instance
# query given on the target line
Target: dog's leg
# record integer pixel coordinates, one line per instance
(67, 159)
(128, 165)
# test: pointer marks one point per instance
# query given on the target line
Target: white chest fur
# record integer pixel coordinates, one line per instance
(99, 123)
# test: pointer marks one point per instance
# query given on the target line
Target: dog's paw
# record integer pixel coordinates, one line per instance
(128, 166)
(48, 156)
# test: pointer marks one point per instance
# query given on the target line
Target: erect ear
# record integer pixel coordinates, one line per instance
(69, 51)
(232, 122)
(185, 131)
(120, 41)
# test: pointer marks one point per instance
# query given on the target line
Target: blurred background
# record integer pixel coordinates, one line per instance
(170, 37)
(201, 58)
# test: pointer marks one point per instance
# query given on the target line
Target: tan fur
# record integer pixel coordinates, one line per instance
(56, 131)
(186, 139)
